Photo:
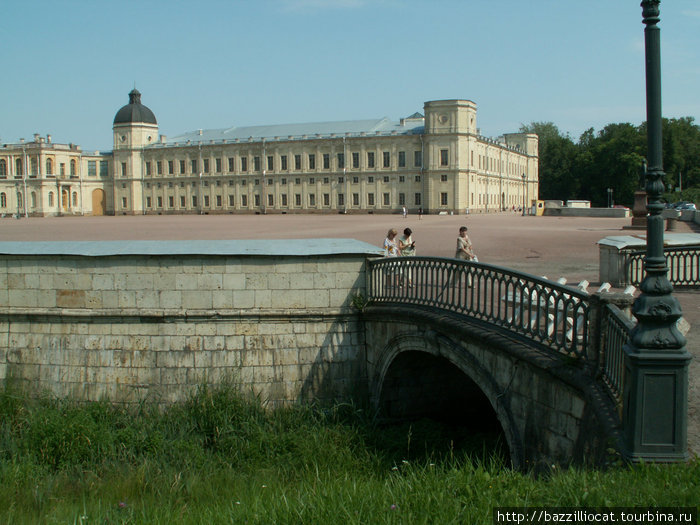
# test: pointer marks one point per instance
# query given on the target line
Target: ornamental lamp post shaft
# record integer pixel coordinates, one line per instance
(655, 400)
(524, 191)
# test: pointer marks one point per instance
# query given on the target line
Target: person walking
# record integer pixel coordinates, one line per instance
(465, 249)
(404, 211)
(391, 249)
(407, 248)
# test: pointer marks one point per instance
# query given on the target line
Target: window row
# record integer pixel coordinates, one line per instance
(276, 163)
(284, 199)
(283, 181)
(72, 167)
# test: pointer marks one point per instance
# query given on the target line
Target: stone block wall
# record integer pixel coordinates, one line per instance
(155, 326)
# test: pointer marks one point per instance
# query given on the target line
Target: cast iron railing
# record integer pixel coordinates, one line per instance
(615, 332)
(556, 317)
(552, 315)
(683, 266)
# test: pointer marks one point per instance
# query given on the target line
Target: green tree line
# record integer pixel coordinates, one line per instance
(612, 158)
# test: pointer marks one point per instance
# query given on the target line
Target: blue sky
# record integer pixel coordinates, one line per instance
(69, 65)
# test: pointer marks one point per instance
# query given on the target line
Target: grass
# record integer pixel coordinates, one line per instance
(220, 457)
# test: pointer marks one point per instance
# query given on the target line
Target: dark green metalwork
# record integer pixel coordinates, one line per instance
(655, 397)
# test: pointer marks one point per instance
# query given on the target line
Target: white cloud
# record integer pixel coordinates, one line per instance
(693, 13)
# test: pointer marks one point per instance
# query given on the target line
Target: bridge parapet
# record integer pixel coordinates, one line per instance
(154, 319)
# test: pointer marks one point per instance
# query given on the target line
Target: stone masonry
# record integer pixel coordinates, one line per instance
(152, 320)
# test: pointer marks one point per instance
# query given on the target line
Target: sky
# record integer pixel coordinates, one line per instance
(69, 64)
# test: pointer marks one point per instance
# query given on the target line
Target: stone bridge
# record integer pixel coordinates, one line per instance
(153, 320)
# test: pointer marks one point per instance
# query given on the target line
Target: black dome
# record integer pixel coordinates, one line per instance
(134, 111)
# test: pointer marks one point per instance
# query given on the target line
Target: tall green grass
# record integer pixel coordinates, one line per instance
(221, 457)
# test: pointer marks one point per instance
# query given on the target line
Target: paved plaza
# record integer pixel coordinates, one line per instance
(551, 246)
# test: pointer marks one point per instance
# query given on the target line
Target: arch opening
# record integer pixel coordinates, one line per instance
(430, 394)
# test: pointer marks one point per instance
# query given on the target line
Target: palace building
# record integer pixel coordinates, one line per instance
(436, 161)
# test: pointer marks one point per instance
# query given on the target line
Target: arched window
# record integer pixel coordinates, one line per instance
(72, 167)
(3, 200)
(18, 167)
(49, 167)
(51, 199)
(3, 168)
(34, 165)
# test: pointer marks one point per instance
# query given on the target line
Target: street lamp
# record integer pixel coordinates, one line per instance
(524, 191)
(610, 192)
(655, 393)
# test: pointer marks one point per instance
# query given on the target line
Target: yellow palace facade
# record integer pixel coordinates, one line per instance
(436, 161)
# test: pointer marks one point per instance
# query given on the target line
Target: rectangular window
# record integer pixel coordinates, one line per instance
(370, 199)
(218, 165)
(244, 163)
(326, 161)
(386, 199)
(355, 199)
(312, 161)
(385, 179)
(341, 161)
(206, 201)
(148, 202)
(402, 178)
(124, 202)
(355, 160)
(123, 169)
(231, 201)
(356, 180)
(182, 201)
(270, 162)
(416, 199)
(194, 166)
(171, 201)
(417, 178)
(386, 160)
(104, 168)
(270, 199)
(417, 159)
(148, 168)
(194, 201)
(159, 167)
(312, 199)
(283, 160)
(256, 163)
(182, 166)
(443, 199)
(443, 178)
(92, 168)
(284, 199)
(402, 199)
(370, 179)
(171, 167)
(326, 199)
(312, 180)
(341, 199)
(283, 181)
(443, 157)
(297, 181)
(326, 180)
(218, 201)
(160, 201)
(297, 162)
(402, 159)
(341, 180)
(244, 201)
(231, 164)
(206, 165)
(297, 199)
(370, 159)
(256, 200)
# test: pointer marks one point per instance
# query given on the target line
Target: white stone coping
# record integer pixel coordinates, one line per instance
(269, 247)
(622, 242)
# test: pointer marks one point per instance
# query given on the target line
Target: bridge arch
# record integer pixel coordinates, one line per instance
(550, 411)
(418, 374)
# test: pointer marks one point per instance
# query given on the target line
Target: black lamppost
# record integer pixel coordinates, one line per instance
(524, 191)
(610, 192)
(656, 362)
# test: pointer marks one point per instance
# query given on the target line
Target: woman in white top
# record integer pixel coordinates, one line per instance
(391, 248)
